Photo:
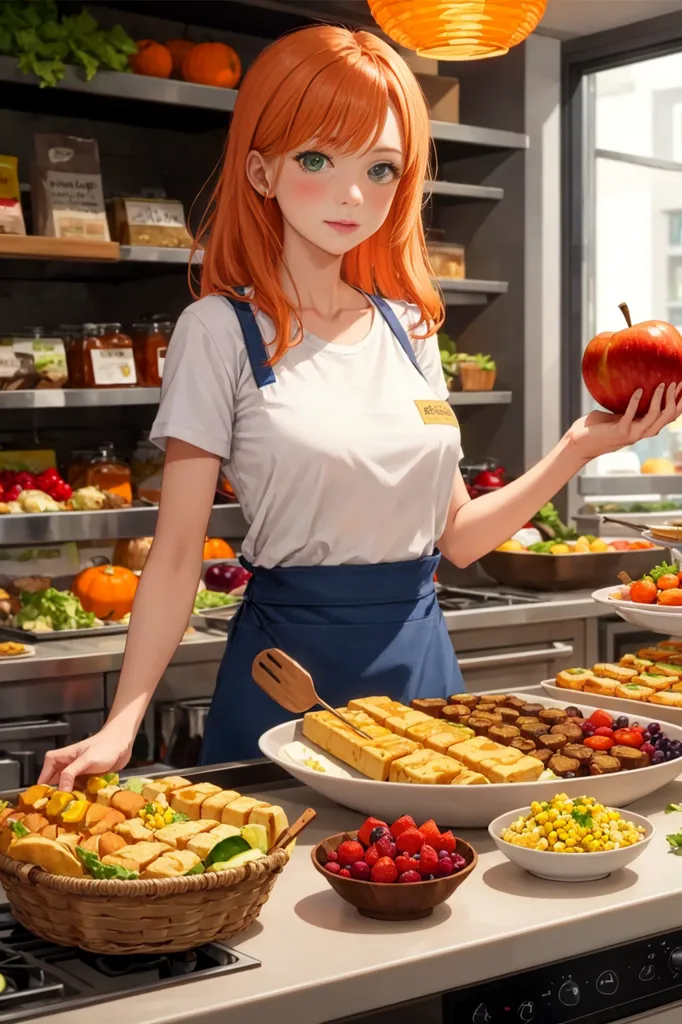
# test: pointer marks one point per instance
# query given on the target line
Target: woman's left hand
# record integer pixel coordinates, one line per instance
(601, 432)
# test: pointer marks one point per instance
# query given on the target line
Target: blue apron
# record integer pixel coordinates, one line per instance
(360, 630)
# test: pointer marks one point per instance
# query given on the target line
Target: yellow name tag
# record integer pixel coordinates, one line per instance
(436, 412)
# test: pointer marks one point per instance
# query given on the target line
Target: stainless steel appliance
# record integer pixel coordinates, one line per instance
(617, 638)
(184, 749)
(25, 741)
(461, 599)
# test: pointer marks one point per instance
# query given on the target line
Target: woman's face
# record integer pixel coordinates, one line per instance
(336, 201)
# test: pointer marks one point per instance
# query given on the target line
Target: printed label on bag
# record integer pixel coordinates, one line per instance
(436, 412)
(113, 366)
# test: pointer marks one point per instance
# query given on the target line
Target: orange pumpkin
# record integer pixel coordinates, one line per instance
(178, 49)
(133, 553)
(212, 64)
(106, 590)
(152, 58)
(216, 547)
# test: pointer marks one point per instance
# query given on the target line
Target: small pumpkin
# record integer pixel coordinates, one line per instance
(133, 553)
(216, 547)
(106, 590)
(178, 49)
(152, 59)
(212, 64)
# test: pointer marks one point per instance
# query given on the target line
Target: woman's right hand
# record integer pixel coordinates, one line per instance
(108, 750)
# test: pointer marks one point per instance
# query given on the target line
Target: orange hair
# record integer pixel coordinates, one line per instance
(331, 86)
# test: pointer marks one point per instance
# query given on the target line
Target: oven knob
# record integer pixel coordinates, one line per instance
(675, 960)
(569, 993)
(647, 973)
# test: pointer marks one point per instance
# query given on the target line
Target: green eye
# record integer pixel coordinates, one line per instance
(312, 162)
(383, 173)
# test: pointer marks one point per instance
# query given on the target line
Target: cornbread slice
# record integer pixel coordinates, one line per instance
(273, 819)
(189, 800)
(398, 770)
(237, 813)
(528, 769)
(359, 718)
(133, 831)
(376, 759)
(472, 753)
(425, 767)
(315, 726)
(203, 843)
(179, 862)
(137, 857)
(105, 794)
(468, 778)
(179, 834)
(441, 742)
(213, 805)
(153, 789)
(621, 673)
(400, 723)
(379, 708)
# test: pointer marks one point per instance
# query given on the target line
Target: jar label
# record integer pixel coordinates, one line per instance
(160, 360)
(112, 366)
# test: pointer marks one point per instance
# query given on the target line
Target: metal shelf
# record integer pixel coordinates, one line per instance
(613, 486)
(73, 398)
(468, 291)
(60, 527)
(157, 254)
(480, 398)
(455, 190)
(485, 138)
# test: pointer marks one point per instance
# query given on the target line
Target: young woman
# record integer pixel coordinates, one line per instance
(309, 370)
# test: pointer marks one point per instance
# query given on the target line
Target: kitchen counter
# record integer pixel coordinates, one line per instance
(55, 659)
(322, 961)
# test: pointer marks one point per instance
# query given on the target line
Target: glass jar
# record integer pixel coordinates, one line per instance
(72, 335)
(109, 359)
(150, 341)
(108, 472)
(80, 460)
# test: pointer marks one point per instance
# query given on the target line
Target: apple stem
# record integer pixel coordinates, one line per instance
(623, 307)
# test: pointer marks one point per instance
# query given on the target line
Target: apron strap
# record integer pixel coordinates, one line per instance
(398, 330)
(255, 346)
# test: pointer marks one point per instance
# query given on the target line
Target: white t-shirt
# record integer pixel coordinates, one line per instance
(332, 464)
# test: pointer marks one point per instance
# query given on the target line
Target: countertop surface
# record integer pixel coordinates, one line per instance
(85, 655)
(320, 960)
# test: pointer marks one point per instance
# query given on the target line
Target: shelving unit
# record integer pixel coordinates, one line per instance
(43, 248)
(461, 192)
(74, 398)
(480, 398)
(645, 484)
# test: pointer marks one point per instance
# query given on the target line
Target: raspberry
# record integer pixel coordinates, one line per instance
(371, 856)
(428, 860)
(402, 824)
(405, 863)
(344, 873)
(367, 828)
(386, 847)
(431, 833)
(384, 870)
(410, 841)
(444, 867)
(349, 852)
(446, 842)
(458, 862)
(333, 867)
(332, 856)
(410, 876)
(361, 871)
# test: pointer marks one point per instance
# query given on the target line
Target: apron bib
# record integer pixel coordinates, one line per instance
(360, 630)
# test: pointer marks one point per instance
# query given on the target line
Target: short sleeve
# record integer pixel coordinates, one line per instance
(200, 377)
(425, 349)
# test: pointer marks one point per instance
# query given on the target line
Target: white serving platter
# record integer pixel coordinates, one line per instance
(616, 705)
(28, 653)
(655, 617)
(467, 806)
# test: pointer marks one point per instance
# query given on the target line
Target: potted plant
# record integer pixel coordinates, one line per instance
(477, 373)
(448, 359)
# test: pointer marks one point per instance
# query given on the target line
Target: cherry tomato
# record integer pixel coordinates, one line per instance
(669, 581)
(27, 481)
(603, 730)
(600, 718)
(13, 492)
(599, 742)
(670, 597)
(644, 591)
(628, 737)
(679, 576)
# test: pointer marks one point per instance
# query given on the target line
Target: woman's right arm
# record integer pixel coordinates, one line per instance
(162, 608)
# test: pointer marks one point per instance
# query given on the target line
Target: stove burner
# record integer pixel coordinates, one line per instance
(459, 599)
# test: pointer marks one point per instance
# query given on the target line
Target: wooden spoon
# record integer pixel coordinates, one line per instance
(289, 834)
(291, 686)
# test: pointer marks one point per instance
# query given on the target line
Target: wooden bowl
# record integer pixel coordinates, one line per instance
(393, 902)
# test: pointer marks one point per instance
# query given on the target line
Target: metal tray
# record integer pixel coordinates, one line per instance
(568, 572)
(24, 636)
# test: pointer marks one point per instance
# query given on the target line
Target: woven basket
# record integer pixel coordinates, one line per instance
(473, 378)
(142, 916)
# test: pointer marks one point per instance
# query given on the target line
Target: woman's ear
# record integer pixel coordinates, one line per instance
(257, 174)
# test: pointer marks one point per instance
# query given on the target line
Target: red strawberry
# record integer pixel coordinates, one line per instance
(372, 855)
(431, 832)
(386, 847)
(367, 828)
(384, 870)
(402, 824)
(446, 842)
(410, 841)
(344, 873)
(409, 876)
(428, 860)
(349, 852)
(405, 863)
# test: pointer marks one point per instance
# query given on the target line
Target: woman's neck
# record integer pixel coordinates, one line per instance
(311, 279)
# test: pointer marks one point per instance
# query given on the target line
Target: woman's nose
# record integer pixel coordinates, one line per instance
(351, 195)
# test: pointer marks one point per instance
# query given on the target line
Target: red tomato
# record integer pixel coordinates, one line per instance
(628, 737)
(669, 581)
(599, 742)
(603, 730)
(600, 718)
(644, 591)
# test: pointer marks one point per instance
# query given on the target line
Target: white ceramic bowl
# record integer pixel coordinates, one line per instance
(617, 705)
(559, 867)
(468, 806)
(656, 617)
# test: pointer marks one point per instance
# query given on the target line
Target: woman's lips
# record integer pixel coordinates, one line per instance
(344, 227)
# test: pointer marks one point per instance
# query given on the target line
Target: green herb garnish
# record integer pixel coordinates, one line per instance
(675, 842)
(661, 570)
(582, 816)
(19, 829)
(672, 808)
(97, 869)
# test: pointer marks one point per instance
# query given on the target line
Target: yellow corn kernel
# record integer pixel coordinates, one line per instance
(552, 838)
(542, 818)
(559, 847)
(542, 844)
(553, 814)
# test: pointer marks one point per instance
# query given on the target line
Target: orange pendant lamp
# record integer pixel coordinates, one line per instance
(458, 29)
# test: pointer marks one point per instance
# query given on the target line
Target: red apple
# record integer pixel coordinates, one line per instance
(644, 355)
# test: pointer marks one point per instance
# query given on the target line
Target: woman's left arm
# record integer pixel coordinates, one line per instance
(476, 527)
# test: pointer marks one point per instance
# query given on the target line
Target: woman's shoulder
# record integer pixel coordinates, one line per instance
(410, 318)
(214, 313)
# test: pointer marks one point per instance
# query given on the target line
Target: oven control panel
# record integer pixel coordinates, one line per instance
(599, 988)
